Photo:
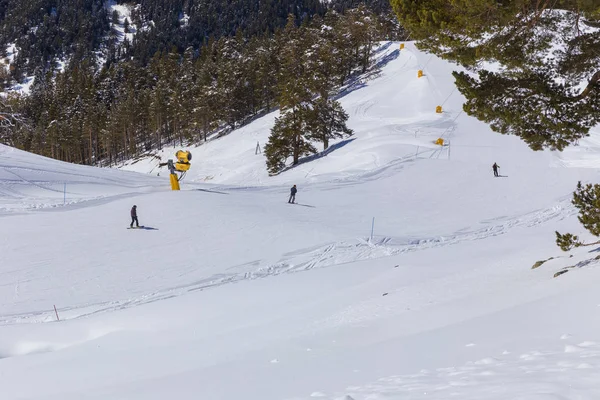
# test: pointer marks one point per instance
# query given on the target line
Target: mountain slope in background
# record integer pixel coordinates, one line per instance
(48, 33)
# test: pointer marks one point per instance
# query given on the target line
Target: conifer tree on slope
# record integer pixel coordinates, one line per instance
(286, 141)
(11, 122)
(289, 135)
(327, 121)
(546, 55)
(586, 199)
(186, 81)
(327, 118)
(266, 71)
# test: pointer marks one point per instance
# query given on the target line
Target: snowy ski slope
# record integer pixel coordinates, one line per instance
(231, 293)
(29, 182)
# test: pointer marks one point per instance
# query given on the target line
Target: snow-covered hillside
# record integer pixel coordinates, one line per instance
(123, 11)
(395, 123)
(231, 293)
(31, 182)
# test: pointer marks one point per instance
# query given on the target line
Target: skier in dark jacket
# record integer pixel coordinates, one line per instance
(293, 191)
(134, 217)
(495, 168)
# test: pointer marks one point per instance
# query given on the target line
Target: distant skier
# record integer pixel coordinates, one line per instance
(293, 191)
(495, 168)
(134, 217)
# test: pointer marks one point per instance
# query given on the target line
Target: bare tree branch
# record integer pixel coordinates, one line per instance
(9, 118)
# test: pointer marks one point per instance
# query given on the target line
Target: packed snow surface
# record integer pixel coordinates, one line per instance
(118, 27)
(229, 292)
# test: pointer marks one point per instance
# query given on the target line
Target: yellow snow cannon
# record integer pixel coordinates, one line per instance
(182, 165)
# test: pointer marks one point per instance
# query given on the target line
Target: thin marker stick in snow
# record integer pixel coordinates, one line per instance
(56, 312)
(372, 228)
(444, 102)
(65, 194)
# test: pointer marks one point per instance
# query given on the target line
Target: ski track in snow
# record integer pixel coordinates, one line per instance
(535, 375)
(421, 124)
(27, 183)
(469, 310)
(332, 254)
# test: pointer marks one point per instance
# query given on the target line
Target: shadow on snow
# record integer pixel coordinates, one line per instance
(146, 228)
(322, 154)
(210, 191)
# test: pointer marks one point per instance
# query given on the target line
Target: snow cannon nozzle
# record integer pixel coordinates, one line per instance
(182, 165)
(183, 157)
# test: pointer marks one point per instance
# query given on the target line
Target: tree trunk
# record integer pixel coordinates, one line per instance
(91, 149)
(296, 139)
(125, 147)
(366, 56)
(296, 148)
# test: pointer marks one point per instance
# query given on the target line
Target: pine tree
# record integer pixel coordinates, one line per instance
(364, 28)
(545, 54)
(268, 70)
(532, 105)
(322, 59)
(279, 147)
(586, 199)
(567, 241)
(328, 121)
(203, 103)
(327, 117)
(289, 136)
(233, 83)
(14, 129)
(286, 140)
(186, 86)
(295, 79)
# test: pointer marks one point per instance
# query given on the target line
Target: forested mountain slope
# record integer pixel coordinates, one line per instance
(101, 82)
(45, 31)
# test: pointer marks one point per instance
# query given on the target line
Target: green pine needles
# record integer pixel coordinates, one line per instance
(314, 63)
(538, 62)
(104, 114)
(298, 128)
(586, 199)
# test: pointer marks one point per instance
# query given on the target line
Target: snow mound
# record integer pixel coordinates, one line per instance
(28, 181)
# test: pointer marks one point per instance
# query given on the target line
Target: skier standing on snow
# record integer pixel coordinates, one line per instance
(495, 168)
(134, 217)
(293, 191)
